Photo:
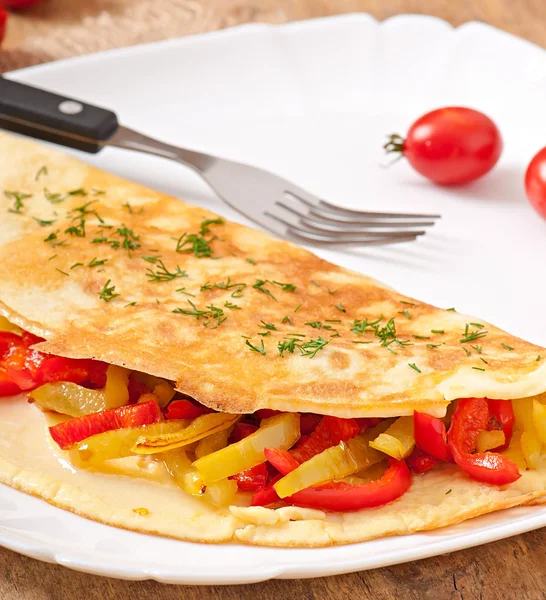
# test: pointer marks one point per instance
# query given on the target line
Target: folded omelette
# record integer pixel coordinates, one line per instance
(167, 371)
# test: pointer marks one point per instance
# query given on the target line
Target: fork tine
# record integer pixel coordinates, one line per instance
(340, 236)
(327, 223)
(321, 205)
(321, 240)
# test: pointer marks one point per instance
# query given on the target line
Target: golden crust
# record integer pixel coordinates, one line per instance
(43, 288)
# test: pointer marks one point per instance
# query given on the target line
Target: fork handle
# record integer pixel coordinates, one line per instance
(47, 116)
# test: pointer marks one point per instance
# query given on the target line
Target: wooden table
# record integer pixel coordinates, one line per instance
(514, 568)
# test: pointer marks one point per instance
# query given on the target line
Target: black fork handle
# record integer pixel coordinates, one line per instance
(54, 118)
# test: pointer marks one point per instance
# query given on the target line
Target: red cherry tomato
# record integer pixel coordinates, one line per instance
(451, 145)
(535, 182)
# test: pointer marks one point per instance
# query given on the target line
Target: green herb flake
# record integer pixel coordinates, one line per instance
(315, 283)
(340, 307)
(260, 349)
(131, 210)
(63, 272)
(297, 308)
(18, 201)
(286, 287)
(405, 313)
(97, 263)
(360, 341)
(194, 244)
(108, 292)
(414, 367)
(212, 317)
(270, 326)
(437, 331)
(408, 303)
(433, 346)
(448, 492)
(162, 274)
(466, 351)
(538, 358)
(250, 260)
(43, 222)
(41, 171)
(151, 259)
(478, 325)
(477, 348)
(76, 265)
(483, 360)
(227, 285)
(470, 336)
(205, 225)
(130, 304)
(450, 309)
(232, 306)
(260, 286)
(478, 369)
(507, 347)
(182, 290)
(420, 337)
(286, 320)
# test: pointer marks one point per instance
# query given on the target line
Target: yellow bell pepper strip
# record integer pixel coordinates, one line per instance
(179, 467)
(117, 443)
(198, 429)
(221, 493)
(488, 440)
(212, 443)
(280, 431)
(539, 420)
(6, 325)
(75, 400)
(336, 462)
(531, 444)
(398, 441)
(514, 452)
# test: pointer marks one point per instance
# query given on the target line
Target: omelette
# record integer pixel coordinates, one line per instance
(167, 371)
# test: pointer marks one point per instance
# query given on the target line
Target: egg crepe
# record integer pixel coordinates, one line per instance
(106, 269)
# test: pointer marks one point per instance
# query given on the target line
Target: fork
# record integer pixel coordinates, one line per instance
(267, 199)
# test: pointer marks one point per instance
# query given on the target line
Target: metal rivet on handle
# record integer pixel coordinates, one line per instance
(69, 107)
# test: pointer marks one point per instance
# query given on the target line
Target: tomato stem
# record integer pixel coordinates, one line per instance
(395, 144)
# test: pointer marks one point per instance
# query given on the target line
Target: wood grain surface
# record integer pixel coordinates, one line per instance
(509, 569)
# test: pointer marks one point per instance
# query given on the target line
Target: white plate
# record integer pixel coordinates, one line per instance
(313, 102)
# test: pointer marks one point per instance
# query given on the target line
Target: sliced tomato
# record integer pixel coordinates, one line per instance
(470, 418)
(252, 479)
(329, 432)
(71, 432)
(342, 497)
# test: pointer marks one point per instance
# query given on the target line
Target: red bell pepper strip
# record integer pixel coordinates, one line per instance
(502, 412)
(430, 436)
(282, 460)
(421, 462)
(366, 423)
(71, 432)
(267, 495)
(241, 431)
(470, 418)
(309, 422)
(3, 19)
(342, 497)
(183, 409)
(329, 432)
(265, 413)
(7, 386)
(253, 479)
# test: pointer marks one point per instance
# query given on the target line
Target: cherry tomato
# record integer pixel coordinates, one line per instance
(535, 182)
(451, 145)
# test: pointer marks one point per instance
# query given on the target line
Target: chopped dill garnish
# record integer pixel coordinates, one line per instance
(182, 290)
(308, 349)
(76, 265)
(478, 325)
(432, 346)
(260, 349)
(259, 285)
(130, 304)
(421, 337)
(452, 309)
(478, 369)
(212, 317)
(297, 308)
(405, 313)
(97, 263)
(414, 367)
(41, 171)
(204, 228)
(315, 283)
(270, 326)
(470, 336)
(131, 210)
(250, 260)
(227, 285)
(286, 320)
(286, 287)
(477, 348)
(340, 307)
(232, 306)
(507, 347)
(151, 259)
(466, 351)
(483, 360)
(18, 198)
(129, 237)
(63, 272)
(360, 342)
(162, 274)
(193, 243)
(361, 326)
(331, 292)
(448, 492)
(408, 303)
(108, 292)
(54, 198)
(538, 358)
(437, 331)
(43, 222)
